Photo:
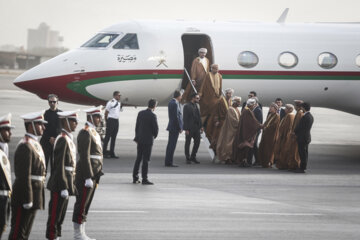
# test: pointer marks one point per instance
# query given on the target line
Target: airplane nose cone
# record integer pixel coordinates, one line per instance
(28, 81)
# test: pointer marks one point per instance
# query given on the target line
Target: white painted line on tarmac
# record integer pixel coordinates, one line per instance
(113, 211)
(278, 214)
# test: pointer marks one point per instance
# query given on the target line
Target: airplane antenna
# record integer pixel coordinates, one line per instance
(283, 16)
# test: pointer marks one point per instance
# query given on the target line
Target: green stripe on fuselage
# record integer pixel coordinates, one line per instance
(80, 86)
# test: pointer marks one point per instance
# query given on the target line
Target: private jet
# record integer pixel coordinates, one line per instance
(316, 62)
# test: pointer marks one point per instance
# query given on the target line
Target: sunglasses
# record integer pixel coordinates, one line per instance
(53, 102)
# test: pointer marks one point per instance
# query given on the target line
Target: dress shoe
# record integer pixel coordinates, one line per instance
(136, 181)
(188, 161)
(299, 170)
(147, 182)
(171, 165)
(194, 160)
(114, 156)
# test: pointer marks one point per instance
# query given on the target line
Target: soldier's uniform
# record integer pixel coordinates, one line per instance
(5, 176)
(88, 168)
(28, 190)
(62, 180)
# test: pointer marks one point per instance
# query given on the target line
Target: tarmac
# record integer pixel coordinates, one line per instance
(213, 201)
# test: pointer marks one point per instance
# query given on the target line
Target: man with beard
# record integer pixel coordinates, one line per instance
(266, 148)
(199, 68)
(246, 134)
(284, 137)
(292, 154)
(210, 92)
(225, 141)
(217, 118)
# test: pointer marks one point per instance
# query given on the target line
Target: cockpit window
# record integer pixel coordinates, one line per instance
(129, 41)
(101, 40)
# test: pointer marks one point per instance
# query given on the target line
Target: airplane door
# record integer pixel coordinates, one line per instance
(191, 44)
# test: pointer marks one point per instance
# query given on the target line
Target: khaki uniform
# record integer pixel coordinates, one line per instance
(89, 166)
(30, 170)
(5, 190)
(62, 178)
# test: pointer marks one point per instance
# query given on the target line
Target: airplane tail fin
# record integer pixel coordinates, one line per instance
(283, 16)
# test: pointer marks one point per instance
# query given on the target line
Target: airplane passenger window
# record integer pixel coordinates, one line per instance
(248, 59)
(327, 60)
(358, 60)
(101, 40)
(288, 60)
(129, 41)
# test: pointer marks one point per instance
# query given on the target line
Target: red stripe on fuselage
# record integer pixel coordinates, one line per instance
(44, 86)
(57, 85)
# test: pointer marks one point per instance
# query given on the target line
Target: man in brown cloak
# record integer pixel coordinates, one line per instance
(266, 148)
(210, 92)
(245, 134)
(226, 137)
(217, 118)
(281, 147)
(292, 155)
(199, 68)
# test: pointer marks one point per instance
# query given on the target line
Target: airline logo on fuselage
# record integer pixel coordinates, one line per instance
(126, 58)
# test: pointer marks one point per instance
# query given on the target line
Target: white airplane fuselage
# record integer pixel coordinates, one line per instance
(89, 75)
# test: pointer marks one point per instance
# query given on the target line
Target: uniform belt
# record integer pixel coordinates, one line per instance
(70, 169)
(4, 193)
(96, 157)
(37, 178)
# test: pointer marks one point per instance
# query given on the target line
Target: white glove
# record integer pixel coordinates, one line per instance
(27, 205)
(89, 183)
(65, 194)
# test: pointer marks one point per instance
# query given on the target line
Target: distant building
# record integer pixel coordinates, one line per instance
(44, 41)
(42, 44)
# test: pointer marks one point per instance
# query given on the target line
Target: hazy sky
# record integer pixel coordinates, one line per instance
(78, 20)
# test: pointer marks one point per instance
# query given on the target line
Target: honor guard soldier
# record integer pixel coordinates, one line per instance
(62, 180)
(88, 170)
(30, 170)
(5, 171)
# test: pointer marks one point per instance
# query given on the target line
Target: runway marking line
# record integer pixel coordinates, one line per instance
(278, 214)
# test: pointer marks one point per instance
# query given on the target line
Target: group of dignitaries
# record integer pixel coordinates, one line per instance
(233, 134)
(68, 176)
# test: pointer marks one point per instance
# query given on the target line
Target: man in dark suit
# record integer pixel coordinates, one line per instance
(280, 111)
(174, 127)
(52, 129)
(253, 151)
(146, 131)
(251, 95)
(192, 127)
(303, 136)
